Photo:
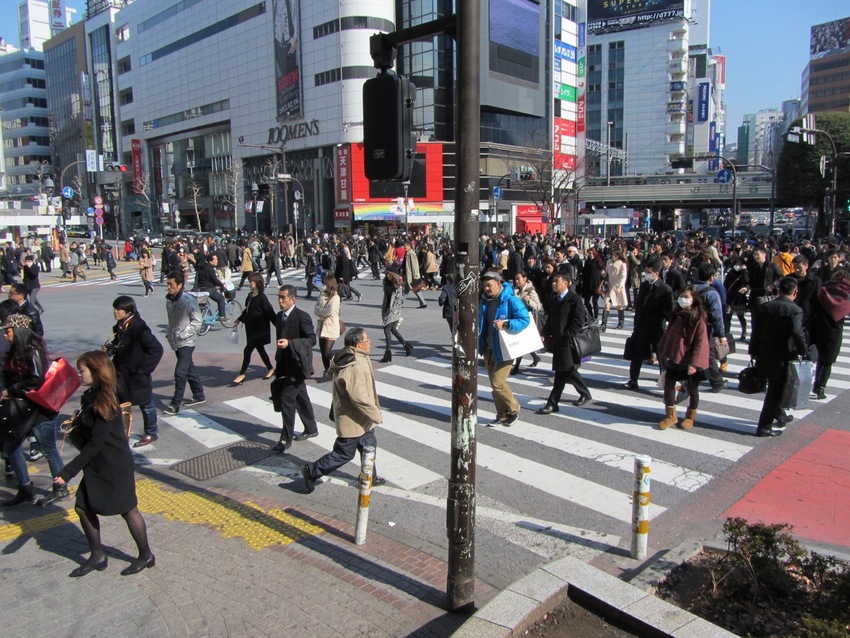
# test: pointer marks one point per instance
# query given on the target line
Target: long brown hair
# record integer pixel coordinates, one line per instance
(104, 382)
(330, 286)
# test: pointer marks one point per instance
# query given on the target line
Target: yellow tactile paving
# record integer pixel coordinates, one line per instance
(233, 519)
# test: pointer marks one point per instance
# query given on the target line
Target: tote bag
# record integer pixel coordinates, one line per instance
(60, 383)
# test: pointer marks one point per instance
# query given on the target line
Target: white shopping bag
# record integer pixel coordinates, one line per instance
(517, 344)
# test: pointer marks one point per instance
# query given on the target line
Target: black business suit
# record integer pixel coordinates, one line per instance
(292, 366)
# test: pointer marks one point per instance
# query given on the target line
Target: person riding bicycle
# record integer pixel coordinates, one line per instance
(207, 281)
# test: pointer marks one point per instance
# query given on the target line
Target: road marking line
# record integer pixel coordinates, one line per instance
(202, 429)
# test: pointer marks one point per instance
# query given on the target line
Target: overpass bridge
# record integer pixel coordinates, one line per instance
(694, 191)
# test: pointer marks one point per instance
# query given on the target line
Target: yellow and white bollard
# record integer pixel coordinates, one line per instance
(640, 507)
(367, 466)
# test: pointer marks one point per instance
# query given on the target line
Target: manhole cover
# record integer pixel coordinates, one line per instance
(223, 460)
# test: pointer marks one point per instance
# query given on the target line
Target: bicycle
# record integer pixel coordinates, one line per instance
(209, 311)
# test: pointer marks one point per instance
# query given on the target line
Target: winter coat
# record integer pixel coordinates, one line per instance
(713, 309)
(411, 268)
(591, 277)
(146, 268)
(184, 320)
(533, 304)
(392, 303)
(356, 409)
(510, 308)
(778, 334)
(327, 311)
(684, 345)
(734, 281)
(247, 260)
(653, 307)
(447, 300)
(109, 482)
(295, 361)
(827, 328)
(618, 275)
(258, 317)
(136, 352)
(564, 321)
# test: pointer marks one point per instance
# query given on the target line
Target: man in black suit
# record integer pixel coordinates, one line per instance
(564, 321)
(671, 275)
(293, 364)
(780, 325)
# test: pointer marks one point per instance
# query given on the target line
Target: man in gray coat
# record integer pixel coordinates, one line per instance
(184, 321)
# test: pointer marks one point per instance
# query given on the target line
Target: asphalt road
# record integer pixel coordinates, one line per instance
(547, 487)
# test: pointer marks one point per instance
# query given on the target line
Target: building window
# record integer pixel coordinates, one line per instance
(123, 33)
(125, 97)
(124, 66)
(327, 77)
(128, 128)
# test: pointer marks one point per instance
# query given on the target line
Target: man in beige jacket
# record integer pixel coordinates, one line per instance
(355, 409)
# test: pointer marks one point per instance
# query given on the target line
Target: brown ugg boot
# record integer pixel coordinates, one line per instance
(671, 419)
(688, 422)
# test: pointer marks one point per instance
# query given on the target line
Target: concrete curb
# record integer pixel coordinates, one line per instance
(527, 600)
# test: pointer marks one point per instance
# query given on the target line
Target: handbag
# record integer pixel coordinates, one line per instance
(60, 383)
(127, 417)
(587, 342)
(517, 344)
(17, 416)
(750, 380)
(418, 284)
(798, 386)
(233, 335)
(766, 298)
(342, 327)
(722, 350)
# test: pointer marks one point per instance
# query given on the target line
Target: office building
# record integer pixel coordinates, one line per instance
(826, 78)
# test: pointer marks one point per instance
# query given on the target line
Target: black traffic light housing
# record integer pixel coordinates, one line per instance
(115, 168)
(388, 139)
(682, 162)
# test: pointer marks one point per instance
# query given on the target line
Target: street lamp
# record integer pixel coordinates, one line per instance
(608, 153)
(255, 190)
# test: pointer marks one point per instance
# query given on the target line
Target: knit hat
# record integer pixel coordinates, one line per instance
(17, 320)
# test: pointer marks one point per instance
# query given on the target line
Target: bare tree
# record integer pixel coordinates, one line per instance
(233, 189)
(42, 171)
(196, 190)
(273, 165)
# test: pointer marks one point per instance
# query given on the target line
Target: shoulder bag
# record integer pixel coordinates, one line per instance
(750, 380)
(17, 416)
(60, 383)
(587, 342)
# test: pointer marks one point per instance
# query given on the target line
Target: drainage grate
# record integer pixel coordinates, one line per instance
(223, 460)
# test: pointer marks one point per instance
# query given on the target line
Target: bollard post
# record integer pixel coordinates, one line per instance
(367, 466)
(640, 507)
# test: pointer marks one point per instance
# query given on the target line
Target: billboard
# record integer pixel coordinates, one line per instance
(702, 102)
(287, 58)
(516, 24)
(604, 15)
(57, 15)
(829, 37)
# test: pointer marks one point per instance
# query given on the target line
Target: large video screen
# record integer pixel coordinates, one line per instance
(516, 24)
(605, 15)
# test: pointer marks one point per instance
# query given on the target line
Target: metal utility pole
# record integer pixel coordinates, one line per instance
(460, 514)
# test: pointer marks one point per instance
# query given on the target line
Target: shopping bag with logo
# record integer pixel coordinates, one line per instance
(517, 344)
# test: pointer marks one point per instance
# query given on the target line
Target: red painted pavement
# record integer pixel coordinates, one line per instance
(811, 491)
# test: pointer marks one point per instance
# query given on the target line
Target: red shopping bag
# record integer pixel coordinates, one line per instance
(60, 383)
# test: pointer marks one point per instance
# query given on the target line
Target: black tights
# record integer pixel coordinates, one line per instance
(822, 372)
(591, 304)
(246, 357)
(390, 330)
(326, 346)
(693, 390)
(91, 528)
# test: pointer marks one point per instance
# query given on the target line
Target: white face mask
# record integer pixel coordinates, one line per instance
(647, 277)
(685, 302)
(737, 267)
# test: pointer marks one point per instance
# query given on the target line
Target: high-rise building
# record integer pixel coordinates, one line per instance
(826, 78)
(40, 20)
(758, 136)
(654, 89)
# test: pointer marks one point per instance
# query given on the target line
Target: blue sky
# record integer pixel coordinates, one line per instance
(766, 43)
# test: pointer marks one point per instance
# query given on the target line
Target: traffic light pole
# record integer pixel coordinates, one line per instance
(460, 507)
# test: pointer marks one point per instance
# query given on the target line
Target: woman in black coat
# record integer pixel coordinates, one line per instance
(258, 318)
(830, 309)
(109, 482)
(136, 353)
(591, 276)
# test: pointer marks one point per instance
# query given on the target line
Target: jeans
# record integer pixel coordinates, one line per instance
(342, 453)
(217, 297)
(149, 418)
(185, 371)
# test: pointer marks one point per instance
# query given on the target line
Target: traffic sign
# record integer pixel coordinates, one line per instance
(98, 200)
(498, 192)
(297, 195)
(67, 192)
(90, 210)
(724, 176)
(98, 221)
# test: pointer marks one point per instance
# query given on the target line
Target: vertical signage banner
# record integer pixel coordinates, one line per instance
(57, 15)
(138, 178)
(582, 30)
(702, 102)
(287, 56)
(343, 173)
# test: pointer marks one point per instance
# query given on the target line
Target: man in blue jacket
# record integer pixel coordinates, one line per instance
(714, 321)
(499, 309)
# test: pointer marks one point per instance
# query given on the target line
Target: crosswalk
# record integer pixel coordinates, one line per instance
(572, 468)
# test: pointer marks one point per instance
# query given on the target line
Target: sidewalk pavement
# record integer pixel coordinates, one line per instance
(227, 564)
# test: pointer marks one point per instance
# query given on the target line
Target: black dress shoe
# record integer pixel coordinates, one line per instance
(784, 419)
(547, 409)
(305, 436)
(279, 447)
(768, 432)
(89, 567)
(378, 480)
(138, 565)
(582, 400)
(631, 385)
(309, 481)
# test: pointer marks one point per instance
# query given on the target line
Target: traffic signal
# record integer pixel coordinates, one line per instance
(682, 162)
(115, 168)
(388, 139)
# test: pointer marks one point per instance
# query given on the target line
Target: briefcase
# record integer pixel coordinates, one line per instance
(587, 342)
(750, 380)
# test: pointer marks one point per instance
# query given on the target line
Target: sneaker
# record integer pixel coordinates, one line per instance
(171, 409)
(35, 454)
(193, 402)
(511, 418)
(499, 420)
